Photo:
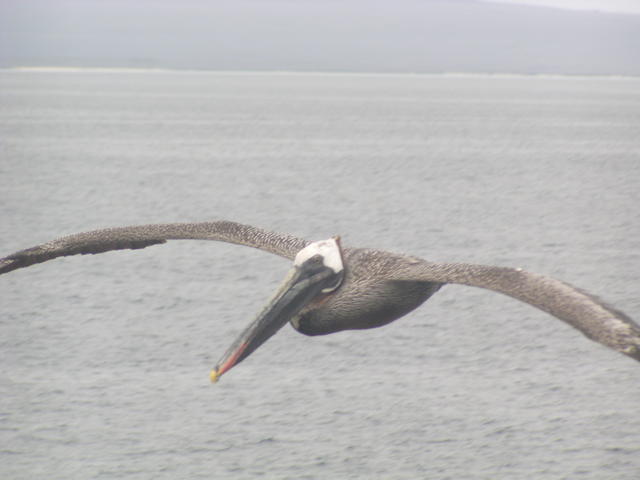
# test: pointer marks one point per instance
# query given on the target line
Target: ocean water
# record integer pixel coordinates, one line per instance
(104, 359)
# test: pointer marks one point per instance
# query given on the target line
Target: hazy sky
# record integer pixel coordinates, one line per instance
(325, 35)
(623, 6)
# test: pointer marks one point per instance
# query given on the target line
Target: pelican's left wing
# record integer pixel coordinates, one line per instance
(141, 236)
(593, 317)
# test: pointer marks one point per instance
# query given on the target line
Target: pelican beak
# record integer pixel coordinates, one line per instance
(303, 283)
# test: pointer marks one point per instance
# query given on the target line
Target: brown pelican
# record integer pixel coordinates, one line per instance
(331, 289)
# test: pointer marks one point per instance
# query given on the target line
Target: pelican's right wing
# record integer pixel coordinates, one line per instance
(142, 236)
(593, 317)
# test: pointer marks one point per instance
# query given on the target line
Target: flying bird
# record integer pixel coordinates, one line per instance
(331, 288)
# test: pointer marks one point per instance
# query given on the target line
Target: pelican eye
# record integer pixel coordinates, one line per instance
(317, 259)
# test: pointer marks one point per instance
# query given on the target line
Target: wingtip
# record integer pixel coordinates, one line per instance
(8, 264)
(633, 352)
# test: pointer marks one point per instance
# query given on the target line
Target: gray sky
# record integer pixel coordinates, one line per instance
(619, 6)
(329, 35)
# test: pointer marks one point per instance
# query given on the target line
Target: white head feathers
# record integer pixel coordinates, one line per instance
(329, 250)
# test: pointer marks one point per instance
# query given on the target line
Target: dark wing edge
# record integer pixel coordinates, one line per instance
(595, 318)
(141, 236)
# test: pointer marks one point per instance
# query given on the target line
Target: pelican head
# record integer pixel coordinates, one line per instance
(327, 252)
(317, 269)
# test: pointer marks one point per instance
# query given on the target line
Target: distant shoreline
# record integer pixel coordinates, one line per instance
(152, 70)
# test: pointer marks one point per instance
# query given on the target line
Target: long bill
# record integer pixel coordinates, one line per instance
(300, 287)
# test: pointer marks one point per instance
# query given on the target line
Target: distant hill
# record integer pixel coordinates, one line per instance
(319, 35)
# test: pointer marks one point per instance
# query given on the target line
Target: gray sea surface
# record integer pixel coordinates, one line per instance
(104, 359)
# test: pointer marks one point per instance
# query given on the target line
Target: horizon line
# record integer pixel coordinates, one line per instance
(159, 70)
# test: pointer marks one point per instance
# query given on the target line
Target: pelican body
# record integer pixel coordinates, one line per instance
(331, 288)
(372, 294)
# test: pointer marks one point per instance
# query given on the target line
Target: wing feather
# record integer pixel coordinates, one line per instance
(141, 236)
(580, 309)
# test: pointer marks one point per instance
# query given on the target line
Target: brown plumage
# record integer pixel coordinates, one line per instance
(378, 286)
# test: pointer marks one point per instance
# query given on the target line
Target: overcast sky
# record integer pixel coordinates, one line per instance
(326, 35)
(620, 6)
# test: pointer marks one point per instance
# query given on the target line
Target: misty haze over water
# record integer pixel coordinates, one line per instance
(431, 36)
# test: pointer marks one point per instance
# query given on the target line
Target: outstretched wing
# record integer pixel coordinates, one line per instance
(142, 236)
(586, 312)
